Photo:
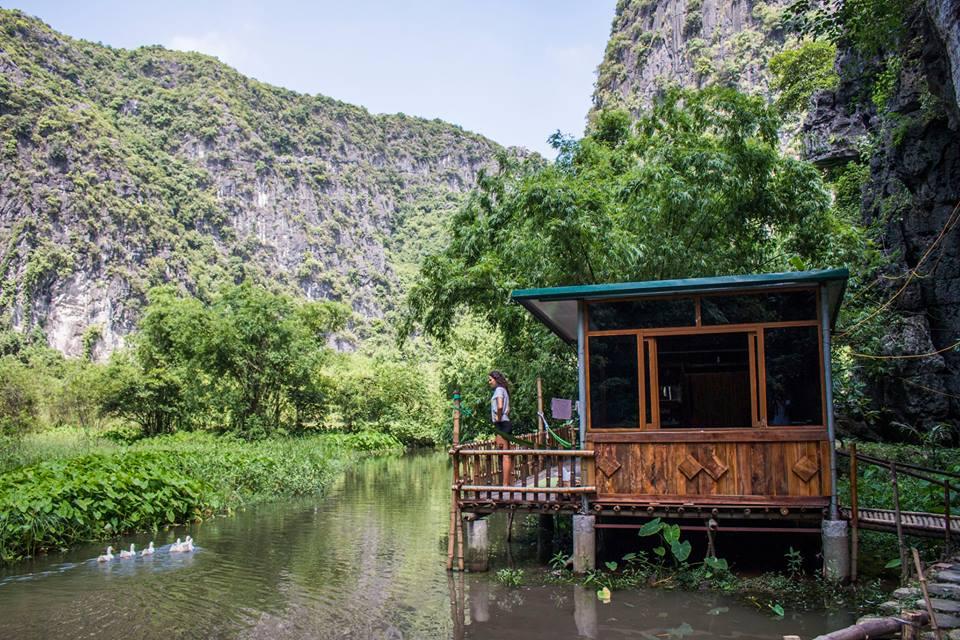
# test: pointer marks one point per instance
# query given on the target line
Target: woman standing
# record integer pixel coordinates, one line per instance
(500, 416)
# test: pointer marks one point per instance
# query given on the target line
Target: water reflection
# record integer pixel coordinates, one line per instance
(367, 561)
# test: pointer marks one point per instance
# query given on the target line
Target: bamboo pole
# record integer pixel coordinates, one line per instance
(454, 507)
(854, 514)
(904, 564)
(586, 453)
(877, 627)
(541, 432)
(926, 594)
(456, 478)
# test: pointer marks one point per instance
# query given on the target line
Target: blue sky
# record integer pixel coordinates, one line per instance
(513, 71)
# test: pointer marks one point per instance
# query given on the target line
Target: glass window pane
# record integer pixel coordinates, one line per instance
(704, 380)
(784, 306)
(614, 382)
(792, 357)
(642, 314)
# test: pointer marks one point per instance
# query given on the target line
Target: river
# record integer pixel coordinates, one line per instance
(365, 561)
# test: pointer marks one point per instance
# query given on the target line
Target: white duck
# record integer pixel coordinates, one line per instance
(176, 547)
(187, 545)
(149, 551)
(128, 554)
(107, 557)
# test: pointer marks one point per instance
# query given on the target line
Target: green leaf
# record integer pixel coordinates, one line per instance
(650, 528)
(660, 551)
(612, 566)
(893, 564)
(681, 550)
(671, 533)
(777, 608)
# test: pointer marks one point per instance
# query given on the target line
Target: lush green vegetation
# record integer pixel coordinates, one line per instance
(144, 167)
(162, 481)
(798, 71)
(247, 362)
(697, 186)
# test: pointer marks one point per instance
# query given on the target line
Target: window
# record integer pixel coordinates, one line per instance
(643, 314)
(656, 366)
(704, 380)
(792, 358)
(614, 382)
(784, 306)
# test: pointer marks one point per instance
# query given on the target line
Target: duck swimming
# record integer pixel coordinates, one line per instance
(176, 547)
(128, 554)
(107, 557)
(148, 551)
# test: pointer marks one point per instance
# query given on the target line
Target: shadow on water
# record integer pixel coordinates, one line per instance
(365, 561)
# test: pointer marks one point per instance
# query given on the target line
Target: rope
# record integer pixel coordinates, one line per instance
(563, 443)
(907, 356)
(951, 221)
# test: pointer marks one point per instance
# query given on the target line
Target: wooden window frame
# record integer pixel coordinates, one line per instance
(646, 341)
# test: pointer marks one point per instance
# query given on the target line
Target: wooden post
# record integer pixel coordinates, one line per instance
(541, 430)
(454, 506)
(904, 563)
(854, 514)
(913, 624)
(926, 595)
(946, 518)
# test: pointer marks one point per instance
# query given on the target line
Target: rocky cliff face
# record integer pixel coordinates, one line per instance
(120, 170)
(655, 44)
(912, 143)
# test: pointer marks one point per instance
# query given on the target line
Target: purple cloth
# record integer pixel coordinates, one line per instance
(561, 408)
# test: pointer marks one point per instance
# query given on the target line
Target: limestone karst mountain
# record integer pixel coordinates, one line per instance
(123, 169)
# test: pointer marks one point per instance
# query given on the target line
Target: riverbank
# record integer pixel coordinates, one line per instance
(57, 490)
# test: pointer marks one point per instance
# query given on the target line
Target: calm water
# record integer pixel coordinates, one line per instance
(366, 561)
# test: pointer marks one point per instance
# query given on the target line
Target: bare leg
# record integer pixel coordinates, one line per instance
(507, 462)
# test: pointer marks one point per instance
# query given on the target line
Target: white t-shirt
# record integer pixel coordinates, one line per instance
(500, 392)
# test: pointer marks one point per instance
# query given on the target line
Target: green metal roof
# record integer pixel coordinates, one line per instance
(556, 307)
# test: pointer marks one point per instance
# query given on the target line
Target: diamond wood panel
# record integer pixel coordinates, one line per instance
(607, 462)
(806, 468)
(715, 467)
(690, 467)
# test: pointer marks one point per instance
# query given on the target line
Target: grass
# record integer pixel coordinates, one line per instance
(64, 487)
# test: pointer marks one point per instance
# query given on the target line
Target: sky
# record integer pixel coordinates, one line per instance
(515, 71)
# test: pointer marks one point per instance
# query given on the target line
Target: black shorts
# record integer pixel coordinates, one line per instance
(503, 426)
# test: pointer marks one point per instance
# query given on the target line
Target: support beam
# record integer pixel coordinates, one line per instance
(478, 545)
(584, 544)
(828, 392)
(545, 530)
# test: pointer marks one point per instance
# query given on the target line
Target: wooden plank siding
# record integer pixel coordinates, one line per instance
(763, 472)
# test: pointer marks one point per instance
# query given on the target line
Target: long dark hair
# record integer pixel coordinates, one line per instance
(500, 379)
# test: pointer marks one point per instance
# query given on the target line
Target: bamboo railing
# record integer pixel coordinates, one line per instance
(898, 520)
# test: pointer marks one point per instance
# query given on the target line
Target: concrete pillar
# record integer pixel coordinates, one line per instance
(478, 545)
(836, 550)
(544, 538)
(584, 544)
(585, 611)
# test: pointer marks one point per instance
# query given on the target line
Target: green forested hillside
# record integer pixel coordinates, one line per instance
(120, 170)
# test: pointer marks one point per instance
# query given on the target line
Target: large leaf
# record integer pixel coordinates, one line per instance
(650, 528)
(680, 550)
(671, 533)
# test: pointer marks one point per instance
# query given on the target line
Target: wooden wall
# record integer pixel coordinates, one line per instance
(768, 466)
